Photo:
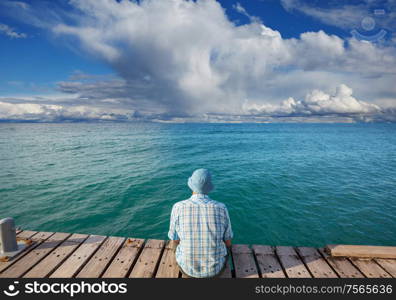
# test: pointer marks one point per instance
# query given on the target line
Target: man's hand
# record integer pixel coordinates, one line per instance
(228, 243)
(173, 244)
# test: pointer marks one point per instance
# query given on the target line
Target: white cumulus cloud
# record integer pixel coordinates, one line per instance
(187, 59)
(54, 113)
(317, 103)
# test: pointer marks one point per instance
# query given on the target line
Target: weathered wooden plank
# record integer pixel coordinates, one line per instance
(34, 256)
(388, 265)
(36, 238)
(148, 259)
(245, 266)
(315, 263)
(79, 257)
(343, 267)
(362, 251)
(369, 268)
(102, 258)
(268, 263)
(27, 234)
(291, 262)
(168, 267)
(114, 257)
(47, 265)
(125, 258)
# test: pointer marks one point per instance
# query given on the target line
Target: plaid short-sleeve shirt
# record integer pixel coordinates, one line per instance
(202, 225)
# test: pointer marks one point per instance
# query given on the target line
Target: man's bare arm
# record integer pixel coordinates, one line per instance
(228, 243)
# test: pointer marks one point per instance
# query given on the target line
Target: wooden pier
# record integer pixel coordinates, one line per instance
(67, 255)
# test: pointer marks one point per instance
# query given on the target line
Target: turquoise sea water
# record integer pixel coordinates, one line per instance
(284, 184)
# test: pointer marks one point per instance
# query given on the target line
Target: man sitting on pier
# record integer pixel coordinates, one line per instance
(202, 229)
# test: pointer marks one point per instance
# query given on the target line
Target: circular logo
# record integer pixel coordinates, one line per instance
(12, 291)
(368, 23)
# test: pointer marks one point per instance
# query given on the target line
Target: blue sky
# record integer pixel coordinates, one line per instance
(211, 61)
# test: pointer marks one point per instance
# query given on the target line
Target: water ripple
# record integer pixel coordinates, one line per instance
(284, 184)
